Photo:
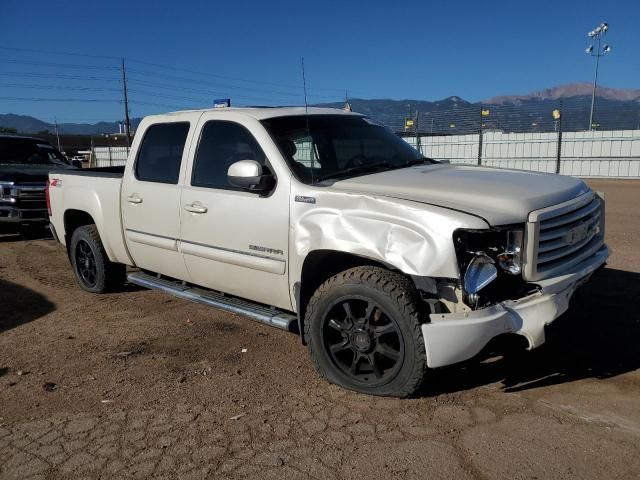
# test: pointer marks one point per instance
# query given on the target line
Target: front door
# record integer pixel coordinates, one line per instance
(233, 240)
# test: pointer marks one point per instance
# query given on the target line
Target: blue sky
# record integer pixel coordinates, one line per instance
(376, 49)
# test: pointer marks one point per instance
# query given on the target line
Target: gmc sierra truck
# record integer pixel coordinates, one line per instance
(325, 223)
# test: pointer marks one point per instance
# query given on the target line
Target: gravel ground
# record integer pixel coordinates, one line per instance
(142, 385)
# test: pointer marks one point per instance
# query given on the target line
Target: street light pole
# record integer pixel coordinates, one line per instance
(595, 86)
(597, 33)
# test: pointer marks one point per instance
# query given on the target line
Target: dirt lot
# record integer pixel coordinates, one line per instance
(139, 384)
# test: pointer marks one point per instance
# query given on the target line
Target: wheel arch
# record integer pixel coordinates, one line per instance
(319, 266)
(74, 219)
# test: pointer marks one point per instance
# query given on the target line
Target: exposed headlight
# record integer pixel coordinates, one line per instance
(490, 264)
(503, 245)
(480, 272)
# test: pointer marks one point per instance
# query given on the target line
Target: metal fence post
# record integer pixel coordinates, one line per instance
(415, 125)
(110, 156)
(559, 151)
(480, 139)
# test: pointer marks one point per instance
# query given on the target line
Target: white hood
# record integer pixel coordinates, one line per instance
(499, 196)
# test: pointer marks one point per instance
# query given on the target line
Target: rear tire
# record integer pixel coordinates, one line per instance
(364, 332)
(94, 271)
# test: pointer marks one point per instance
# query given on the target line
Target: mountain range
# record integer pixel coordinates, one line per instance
(615, 109)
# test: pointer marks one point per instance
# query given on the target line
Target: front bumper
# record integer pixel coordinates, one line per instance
(17, 215)
(454, 337)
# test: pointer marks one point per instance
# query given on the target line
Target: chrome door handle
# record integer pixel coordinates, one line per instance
(134, 199)
(195, 208)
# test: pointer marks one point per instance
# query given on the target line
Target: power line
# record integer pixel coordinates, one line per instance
(259, 82)
(40, 99)
(298, 92)
(60, 76)
(148, 74)
(170, 67)
(51, 52)
(203, 94)
(54, 64)
(153, 104)
(56, 87)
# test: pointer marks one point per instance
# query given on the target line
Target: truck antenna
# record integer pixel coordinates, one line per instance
(306, 114)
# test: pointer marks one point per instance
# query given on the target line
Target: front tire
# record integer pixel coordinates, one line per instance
(363, 331)
(94, 271)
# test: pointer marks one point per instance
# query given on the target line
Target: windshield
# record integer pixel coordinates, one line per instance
(22, 151)
(339, 146)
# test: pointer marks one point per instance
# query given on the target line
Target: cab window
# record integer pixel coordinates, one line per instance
(160, 153)
(221, 144)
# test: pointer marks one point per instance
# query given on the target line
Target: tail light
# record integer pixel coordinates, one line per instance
(47, 197)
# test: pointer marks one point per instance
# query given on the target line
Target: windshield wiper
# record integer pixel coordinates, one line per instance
(359, 169)
(418, 161)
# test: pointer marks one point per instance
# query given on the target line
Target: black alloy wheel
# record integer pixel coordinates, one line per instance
(94, 271)
(86, 264)
(363, 329)
(363, 341)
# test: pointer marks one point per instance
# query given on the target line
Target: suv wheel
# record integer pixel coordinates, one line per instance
(94, 271)
(363, 331)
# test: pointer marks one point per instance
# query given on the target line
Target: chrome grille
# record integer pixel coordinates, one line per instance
(562, 236)
(29, 196)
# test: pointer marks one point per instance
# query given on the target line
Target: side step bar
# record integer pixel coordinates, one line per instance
(268, 315)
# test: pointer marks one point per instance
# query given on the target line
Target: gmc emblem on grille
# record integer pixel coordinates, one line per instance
(576, 235)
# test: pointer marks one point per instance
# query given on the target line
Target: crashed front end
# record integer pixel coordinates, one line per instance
(517, 278)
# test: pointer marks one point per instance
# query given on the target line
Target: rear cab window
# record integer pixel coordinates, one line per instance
(160, 153)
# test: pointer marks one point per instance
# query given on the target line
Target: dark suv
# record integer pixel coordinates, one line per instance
(25, 163)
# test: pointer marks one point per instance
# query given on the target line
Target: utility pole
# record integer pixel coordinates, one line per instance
(57, 135)
(126, 104)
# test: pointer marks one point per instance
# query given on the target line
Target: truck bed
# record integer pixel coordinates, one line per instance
(95, 192)
(107, 172)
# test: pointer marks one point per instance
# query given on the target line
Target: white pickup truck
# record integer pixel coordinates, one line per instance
(325, 223)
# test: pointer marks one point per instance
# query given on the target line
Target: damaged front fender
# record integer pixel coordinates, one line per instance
(412, 237)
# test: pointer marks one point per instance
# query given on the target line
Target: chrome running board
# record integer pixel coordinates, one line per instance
(264, 314)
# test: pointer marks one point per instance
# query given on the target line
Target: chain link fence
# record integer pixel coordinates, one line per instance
(550, 137)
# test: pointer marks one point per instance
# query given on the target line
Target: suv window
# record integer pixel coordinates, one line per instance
(160, 153)
(221, 144)
(26, 151)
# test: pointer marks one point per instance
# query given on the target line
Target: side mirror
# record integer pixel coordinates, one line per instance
(76, 163)
(248, 174)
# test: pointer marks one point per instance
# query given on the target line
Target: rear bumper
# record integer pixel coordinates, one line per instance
(454, 337)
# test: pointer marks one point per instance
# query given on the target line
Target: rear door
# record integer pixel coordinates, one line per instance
(150, 196)
(233, 240)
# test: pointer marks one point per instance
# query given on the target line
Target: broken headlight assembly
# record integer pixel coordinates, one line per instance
(490, 263)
